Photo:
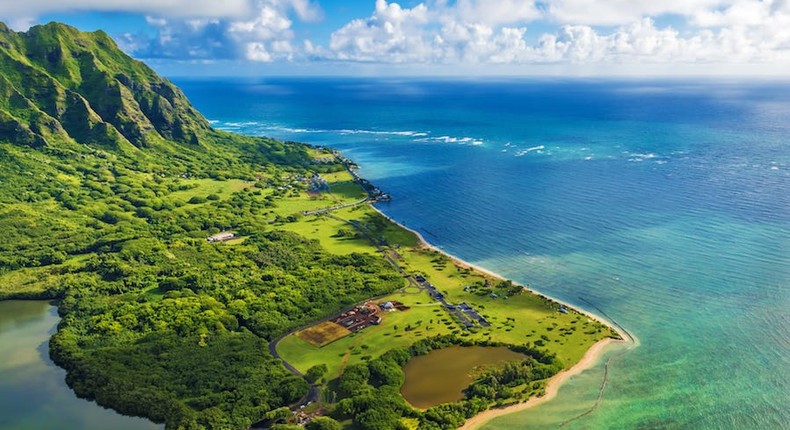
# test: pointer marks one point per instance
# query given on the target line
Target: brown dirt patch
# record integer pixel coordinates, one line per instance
(323, 334)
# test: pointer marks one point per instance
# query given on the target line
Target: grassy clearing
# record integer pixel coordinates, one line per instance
(323, 334)
(296, 204)
(518, 319)
(390, 232)
(521, 318)
(325, 230)
(397, 330)
(346, 192)
(38, 282)
(206, 187)
(236, 241)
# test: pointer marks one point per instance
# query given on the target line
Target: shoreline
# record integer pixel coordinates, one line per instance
(625, 337)
(588, 360)
(553, 386)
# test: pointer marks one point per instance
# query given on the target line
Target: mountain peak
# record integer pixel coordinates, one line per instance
(59, 85)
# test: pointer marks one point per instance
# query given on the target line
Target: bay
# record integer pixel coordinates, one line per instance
(33, 391)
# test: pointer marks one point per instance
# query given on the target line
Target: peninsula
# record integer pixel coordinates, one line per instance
(211, 280)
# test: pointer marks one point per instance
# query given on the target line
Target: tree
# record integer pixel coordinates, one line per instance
(315, 373)
(323, 423)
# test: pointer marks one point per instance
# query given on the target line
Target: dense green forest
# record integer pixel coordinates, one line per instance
(110, 184)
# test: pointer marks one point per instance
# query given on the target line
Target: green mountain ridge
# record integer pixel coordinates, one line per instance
(60, 85)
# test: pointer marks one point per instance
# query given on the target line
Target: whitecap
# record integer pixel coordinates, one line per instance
(524, 152)
(241, 124)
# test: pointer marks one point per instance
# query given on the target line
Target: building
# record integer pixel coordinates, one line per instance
(221, 237)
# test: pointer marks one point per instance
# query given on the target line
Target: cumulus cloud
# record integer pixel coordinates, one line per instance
(189, 8)
(594, 31)
(620, 12)
(392, 32)
(196, 38)
(455, 32)
(264, 34)
(488, 12)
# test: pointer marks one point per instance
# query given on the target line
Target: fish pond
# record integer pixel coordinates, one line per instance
(441, 375)
(33, 391)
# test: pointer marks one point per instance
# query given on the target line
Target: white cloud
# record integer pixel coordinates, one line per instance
(391, 32)
(170, 8)
(620, 12)
(265, 34)
(489, 12)
(457, 33)
(480, 32)
(256, 51)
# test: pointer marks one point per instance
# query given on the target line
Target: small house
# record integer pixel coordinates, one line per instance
(221, 237)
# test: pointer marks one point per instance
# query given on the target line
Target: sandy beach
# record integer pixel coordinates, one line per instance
(463, 263)
(589, 359)
(552, 387)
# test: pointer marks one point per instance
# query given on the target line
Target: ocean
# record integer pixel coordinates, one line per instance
(665, 204)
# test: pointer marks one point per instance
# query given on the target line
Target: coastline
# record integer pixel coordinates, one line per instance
(590, 358)
(625, 336)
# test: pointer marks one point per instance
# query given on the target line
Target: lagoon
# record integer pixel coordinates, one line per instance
(33, 391)
(441, 375)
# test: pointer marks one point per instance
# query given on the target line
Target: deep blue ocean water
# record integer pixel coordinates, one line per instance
(664, 203)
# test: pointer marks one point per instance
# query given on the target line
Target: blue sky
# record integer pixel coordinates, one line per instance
(435, 37)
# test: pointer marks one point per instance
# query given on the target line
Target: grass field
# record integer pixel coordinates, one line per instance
(205, 187)
(35, 282)
(325, 230)
(342, 190)
(323, 334)
(397, 330)
(518, 319)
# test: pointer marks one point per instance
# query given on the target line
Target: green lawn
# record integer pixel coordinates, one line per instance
(518, 319)
(392, 233)
(325, 229)
(303, 202)
(346, 191)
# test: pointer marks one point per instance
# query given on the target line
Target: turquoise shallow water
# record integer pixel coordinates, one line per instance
(666, 204)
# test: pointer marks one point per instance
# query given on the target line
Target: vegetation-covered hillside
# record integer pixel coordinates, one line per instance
(180, 256)
(110, 184)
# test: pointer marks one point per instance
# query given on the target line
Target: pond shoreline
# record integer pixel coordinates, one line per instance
(442, 375)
